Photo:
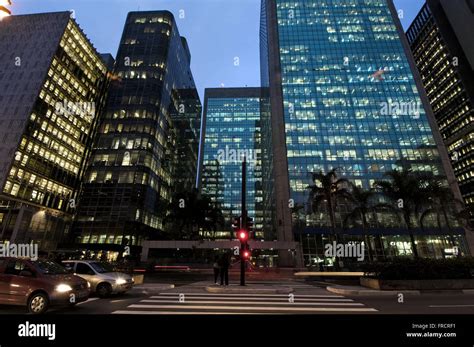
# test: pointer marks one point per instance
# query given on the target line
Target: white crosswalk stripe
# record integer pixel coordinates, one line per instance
(210, 303)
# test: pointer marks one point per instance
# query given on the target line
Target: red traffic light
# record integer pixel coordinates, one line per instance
(243, 235)
(246, 254)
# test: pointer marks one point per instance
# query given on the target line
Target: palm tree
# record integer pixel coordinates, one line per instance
(405, 189)
(441, 202)
(327, 189)
(363, 204)
(190, 211)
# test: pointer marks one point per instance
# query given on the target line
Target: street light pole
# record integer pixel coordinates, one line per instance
(243, 223)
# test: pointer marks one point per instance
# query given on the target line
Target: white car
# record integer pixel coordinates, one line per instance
(101, 276)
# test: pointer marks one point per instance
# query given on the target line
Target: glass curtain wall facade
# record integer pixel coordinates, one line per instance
(147, 144)
(440, 39)
(52, 89)
(232, 130)
(343, 95)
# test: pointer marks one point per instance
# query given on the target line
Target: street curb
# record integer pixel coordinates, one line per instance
(151, 289)
(371, 292)
(468, 291)
(212, 289)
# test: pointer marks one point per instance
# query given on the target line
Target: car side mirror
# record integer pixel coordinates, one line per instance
(26, 273)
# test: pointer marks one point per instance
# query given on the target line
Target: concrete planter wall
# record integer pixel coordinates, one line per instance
(416, 284)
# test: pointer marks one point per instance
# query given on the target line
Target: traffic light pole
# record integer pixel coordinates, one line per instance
(243, 222)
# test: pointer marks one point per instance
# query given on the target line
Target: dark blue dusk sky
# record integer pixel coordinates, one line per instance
(217, 31)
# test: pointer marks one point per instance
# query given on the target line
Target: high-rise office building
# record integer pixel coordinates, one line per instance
(52, 88)
(231, 130)
(147, 143)
(441, 41)
(343, 92)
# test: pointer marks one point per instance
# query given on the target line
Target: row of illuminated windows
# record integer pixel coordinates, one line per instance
(74, 156)
(120, 177)
(47, 155)
(131, 143)
(79, 49)
(371, 154)
(337, 59)
(82, 60)
(139, 127)
(126, 159)
(466, 140)
(109, 239)
(136, 113)
(356, 37)
(31, 179)
(136, 62)
(446, 95)
(58, 129)
(132, 74)
(324, 141)
(455, 122)
(465, 176)
(226, 115)
(42, 184)
(25, 193)
(62, 77)
(51, 134)
(465, 161)
(77, 122)
(360, 117)
(432, 84)
(143, 20)
(93, 59)
(129, 177)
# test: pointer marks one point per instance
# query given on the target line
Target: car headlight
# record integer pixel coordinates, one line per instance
(120, 281)
(62, 288)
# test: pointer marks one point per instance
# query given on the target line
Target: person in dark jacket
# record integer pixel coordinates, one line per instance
(224, 267)
(217, 269)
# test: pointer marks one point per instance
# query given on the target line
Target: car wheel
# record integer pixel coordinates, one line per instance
(38, 303)
(104, 290)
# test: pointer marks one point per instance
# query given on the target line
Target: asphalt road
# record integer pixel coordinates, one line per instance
(426, 303)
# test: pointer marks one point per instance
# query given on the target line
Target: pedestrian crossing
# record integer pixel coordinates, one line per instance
(226, 303)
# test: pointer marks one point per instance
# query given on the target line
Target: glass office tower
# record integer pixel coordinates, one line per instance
(441, 40)
(148, 141)
(232, 130)
(342, 94)
(52, 88)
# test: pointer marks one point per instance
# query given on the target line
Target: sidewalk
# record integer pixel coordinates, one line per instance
(364, 291)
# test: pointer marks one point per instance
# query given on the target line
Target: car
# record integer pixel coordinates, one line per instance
(39, 284)
(104, 280)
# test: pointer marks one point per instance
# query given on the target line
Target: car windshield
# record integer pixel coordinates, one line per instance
(102, 267)
(50, 267)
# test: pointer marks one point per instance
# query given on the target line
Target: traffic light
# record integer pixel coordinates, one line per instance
(250, 224)
(236, 224)
(246, 254)
(243, 235)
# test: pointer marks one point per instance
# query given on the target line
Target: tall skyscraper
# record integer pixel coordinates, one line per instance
(441, 40)
(52, 88)
(231, 130)
(148, 140)
(343, 93)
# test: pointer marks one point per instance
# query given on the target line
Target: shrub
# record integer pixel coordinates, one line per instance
(421, 269)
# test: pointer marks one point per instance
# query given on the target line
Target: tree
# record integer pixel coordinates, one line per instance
(188, 212)
(363, 204)
(405, 190)
(327, 189)
(441, 202)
